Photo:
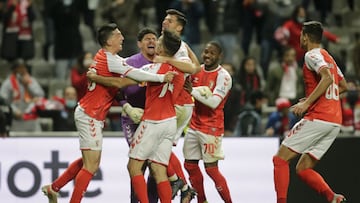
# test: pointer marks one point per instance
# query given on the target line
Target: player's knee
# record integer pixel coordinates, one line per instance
(277, 161)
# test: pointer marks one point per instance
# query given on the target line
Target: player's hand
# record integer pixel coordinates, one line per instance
(300, 108)
(91, 74)
(188, 86)
(135, 114)
(204, 91)
(169, 76)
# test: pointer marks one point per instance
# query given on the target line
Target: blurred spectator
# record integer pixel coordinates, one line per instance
(160, 10)
(89, 15)
(48, 46)
(355, 55)
(249, 121)
(17, 40)
(68, 42)
(274, 14)
(232, 105)
(59, 109)
(252, 22)
(126, 14)
(322, 6)
(210, 14)
(351, 109)
(289, 32)
(227, 29)
(285, 78)
(78, 73)
(5, 118)
(282, 120)
(64, 120)
(21, 91)
(250, 78)
(194, 11)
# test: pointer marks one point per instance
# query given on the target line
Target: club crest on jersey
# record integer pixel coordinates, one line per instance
(211, 84)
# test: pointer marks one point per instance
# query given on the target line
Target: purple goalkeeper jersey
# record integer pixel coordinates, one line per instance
(134, 95)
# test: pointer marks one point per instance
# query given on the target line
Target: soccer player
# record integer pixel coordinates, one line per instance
(153, 138)
(134, 96)
(203, 140)
(176, 21)
(312, 136)
(92, 110)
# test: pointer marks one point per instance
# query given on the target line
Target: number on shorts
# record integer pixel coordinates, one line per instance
(209, 148)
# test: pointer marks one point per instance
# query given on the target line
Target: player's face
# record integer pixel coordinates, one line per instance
(116, 40)
(211, 57)
(170, 23)
(147, 44)
(159, 47)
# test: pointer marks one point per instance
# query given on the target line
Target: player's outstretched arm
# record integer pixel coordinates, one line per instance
(110, 81)
(183, 66)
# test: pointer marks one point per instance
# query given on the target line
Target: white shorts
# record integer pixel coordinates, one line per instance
(153, 141)
(201, 146)
(90, 130)
(312, 137)
(183, 116)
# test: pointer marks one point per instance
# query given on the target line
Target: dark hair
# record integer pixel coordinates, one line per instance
(296, 11)
(104, 33)
(18, 63)
(181, 18)
(314, 30)
(171, 42)
(217, 45)
(144, 32)
(256, 95)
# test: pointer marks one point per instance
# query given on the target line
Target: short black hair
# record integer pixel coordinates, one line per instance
(145, 31)
(104, 33)
(171, 42)
(314, 30)
(179, 15)
(217, 45)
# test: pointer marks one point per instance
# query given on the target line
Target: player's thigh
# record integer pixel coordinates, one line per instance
(321, 147)
(183, 116)
(307, 136)
(192, 148)
(149, 136)
(163, 150)
(89, 129)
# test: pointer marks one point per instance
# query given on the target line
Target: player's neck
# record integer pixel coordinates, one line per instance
(311, 46)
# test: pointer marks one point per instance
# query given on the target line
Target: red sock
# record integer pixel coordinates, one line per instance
(176, 165)
(220, 183)
(197, 180)
(140, 188)
(69, 174)
(164, 191)
(316, 182)
(281, 178)
(82, 181)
